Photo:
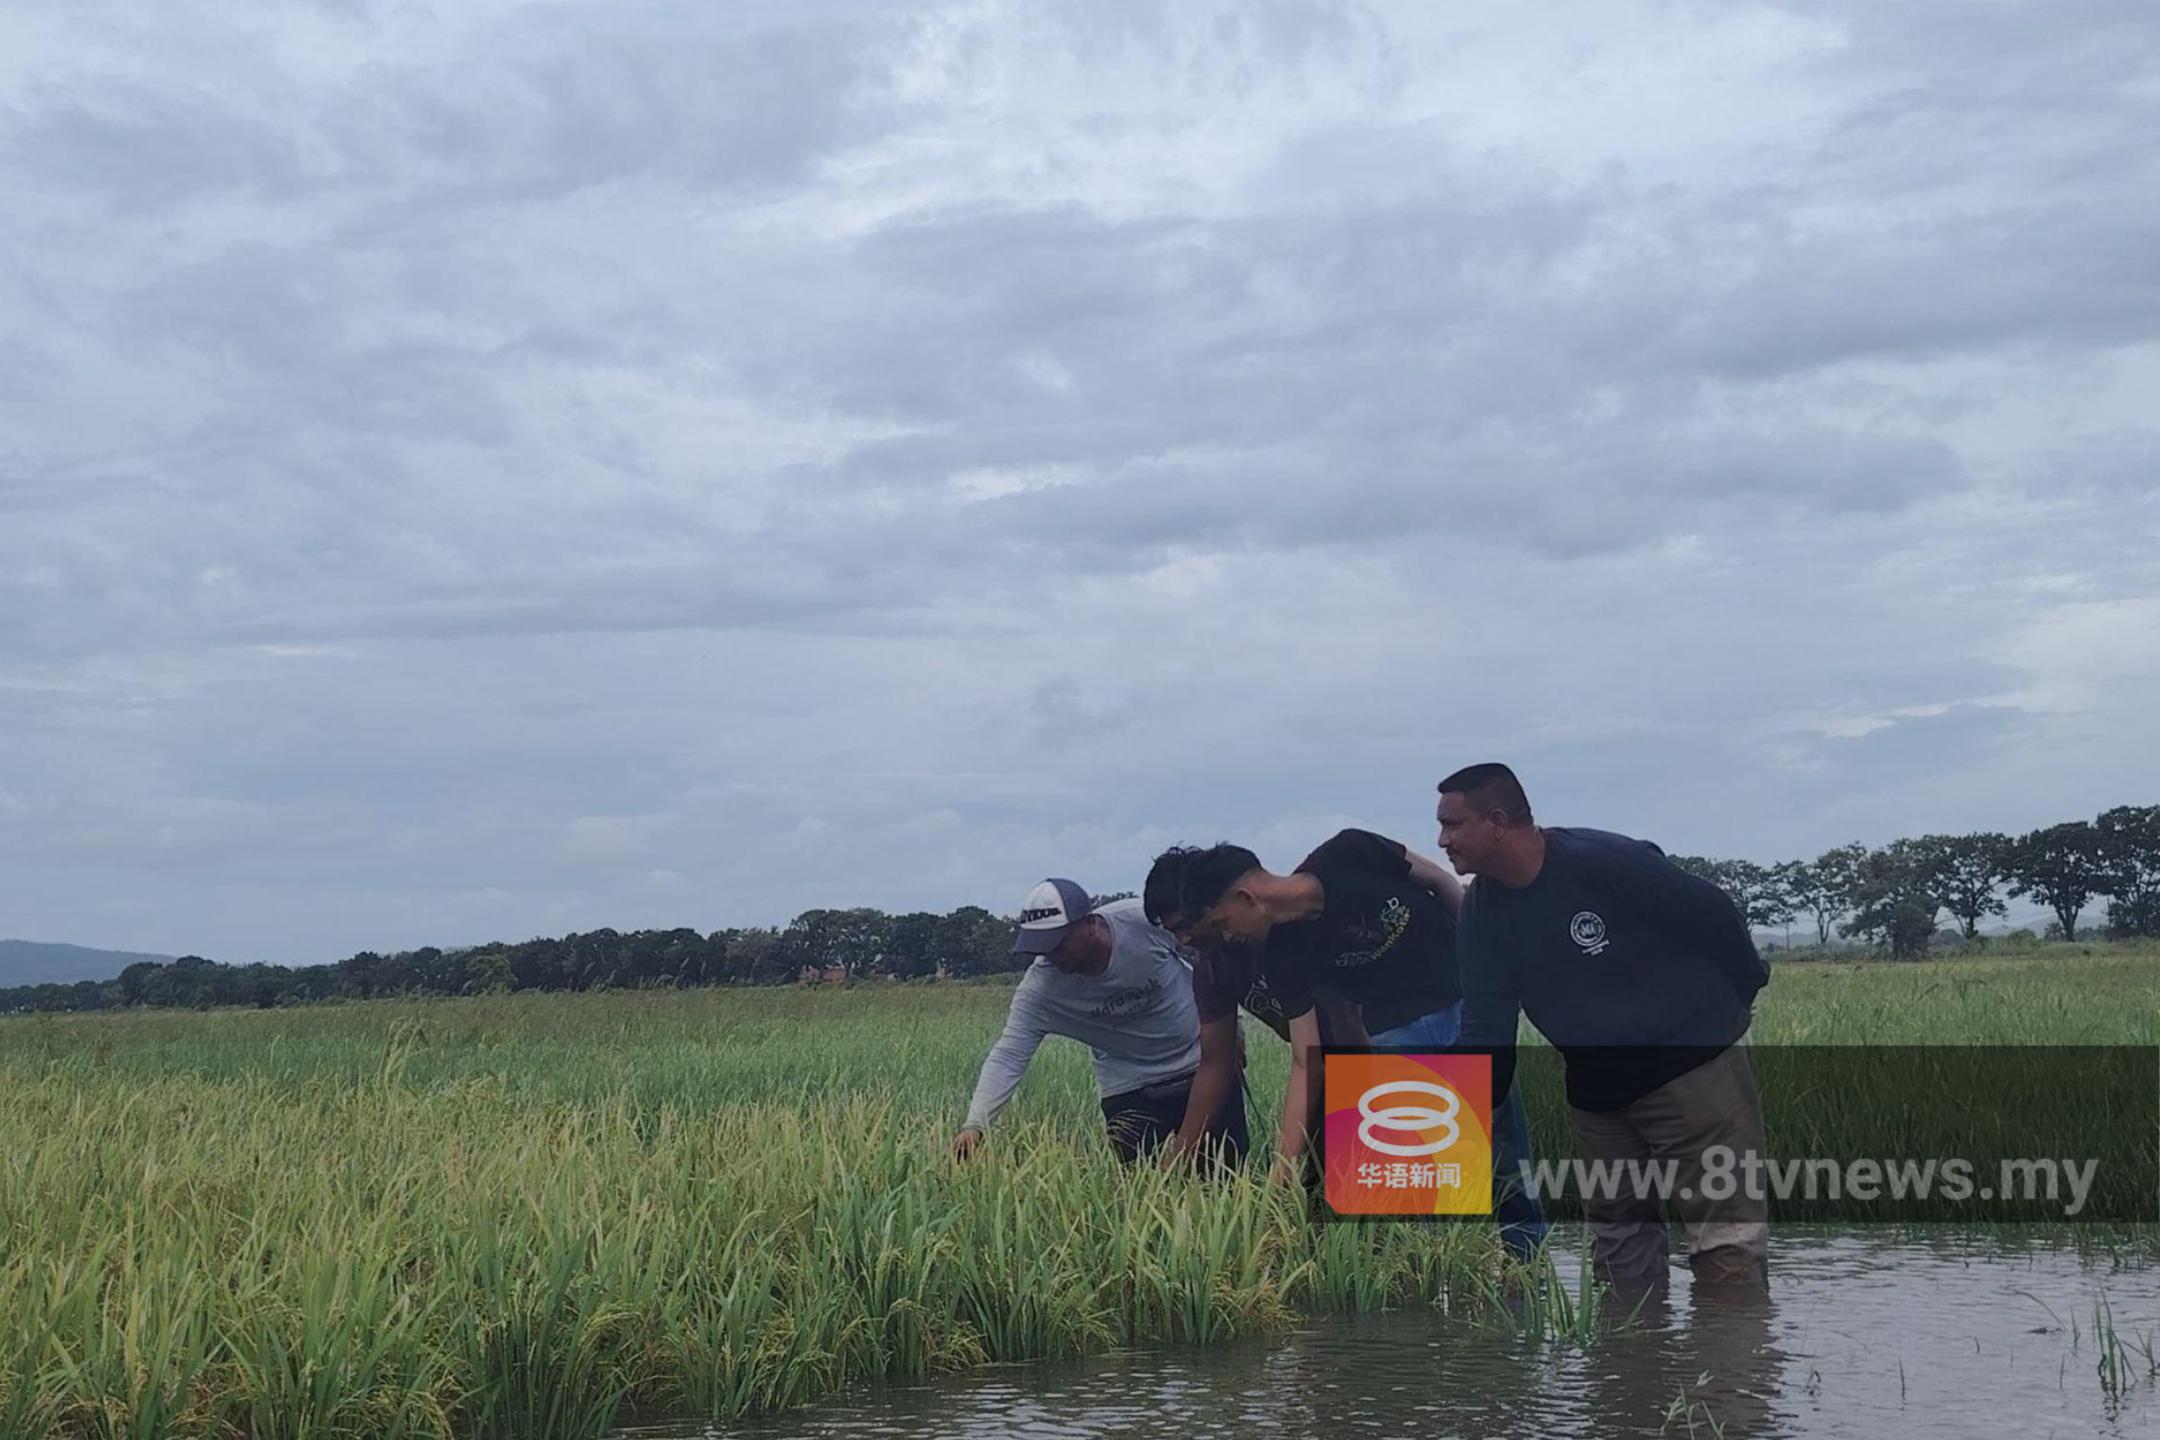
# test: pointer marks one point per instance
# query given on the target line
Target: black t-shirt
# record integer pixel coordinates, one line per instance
(1635, 970)
(1229, 975)
(1381, 940)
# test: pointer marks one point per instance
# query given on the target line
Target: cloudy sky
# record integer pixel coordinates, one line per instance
(473, 471)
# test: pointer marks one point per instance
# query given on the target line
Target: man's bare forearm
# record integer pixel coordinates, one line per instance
(1296, 1115)
(1433, 876)
(1211, 1086)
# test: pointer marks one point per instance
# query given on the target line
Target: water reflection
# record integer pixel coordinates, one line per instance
(1857, 1336)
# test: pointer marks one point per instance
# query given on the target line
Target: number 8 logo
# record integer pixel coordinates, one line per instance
(1410, 1117)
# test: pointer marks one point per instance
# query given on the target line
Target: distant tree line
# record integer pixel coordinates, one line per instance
(1894, 897)
(817, 945)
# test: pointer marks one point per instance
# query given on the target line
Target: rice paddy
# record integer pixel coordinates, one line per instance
(540, 1216)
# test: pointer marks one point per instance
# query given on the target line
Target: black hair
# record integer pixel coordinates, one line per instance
(1210, 873)
(1489, 787)
(1164, 892)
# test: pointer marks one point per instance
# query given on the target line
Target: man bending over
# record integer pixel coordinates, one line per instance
(1364, 932)
(1119, 985)
(1644, 979)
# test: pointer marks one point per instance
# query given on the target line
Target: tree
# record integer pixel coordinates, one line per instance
(1701, 865)
(538, 965)
(712, 963)
(488, 971)
(1765, 895)
(312, 983)
(1964, 872)
(1791, 879)
(591, 958)
(2061, 867)
(850, 939)
(432, 971)
(261, 986)
(911, 950)
(135, 981)
(1759, 894)
(680, 960)
(1823, 887)
(972, 941)
(368, 975)
(190, 980)
(726, 962)
(762, 956)
(1894, 900)
(2130, 869)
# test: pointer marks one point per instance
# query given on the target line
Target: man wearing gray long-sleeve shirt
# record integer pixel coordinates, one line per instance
(1122, 987)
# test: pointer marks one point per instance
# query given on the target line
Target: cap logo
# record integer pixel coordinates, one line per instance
(1029, 917)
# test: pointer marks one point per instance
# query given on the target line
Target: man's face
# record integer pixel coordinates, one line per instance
(1182, 929)
(1085, 950)
(1470, 838)
(1235, 919)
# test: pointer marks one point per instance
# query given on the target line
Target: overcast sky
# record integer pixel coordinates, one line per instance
(479, 470)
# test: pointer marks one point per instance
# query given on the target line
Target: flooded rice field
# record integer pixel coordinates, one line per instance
(1860, 1334)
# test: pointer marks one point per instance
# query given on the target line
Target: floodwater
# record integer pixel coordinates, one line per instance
(1860, 1335)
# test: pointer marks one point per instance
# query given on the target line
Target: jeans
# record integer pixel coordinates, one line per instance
(1139, 1121)
(1521, 1218)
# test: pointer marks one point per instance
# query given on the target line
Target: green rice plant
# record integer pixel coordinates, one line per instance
(1690, 1413)
(2117, 1363)
(537, 1215)
(1531, 1299)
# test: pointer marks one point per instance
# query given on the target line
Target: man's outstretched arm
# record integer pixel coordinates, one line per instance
(1002, 1068)
(1432, 875)
(1212, 1085)
(1300, 1097)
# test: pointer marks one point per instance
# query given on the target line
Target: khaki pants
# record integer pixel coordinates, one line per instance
(1728, 1238)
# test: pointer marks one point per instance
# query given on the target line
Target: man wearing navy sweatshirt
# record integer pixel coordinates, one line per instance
(1643, 977)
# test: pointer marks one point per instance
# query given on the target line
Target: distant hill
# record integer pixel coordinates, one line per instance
(26, 962)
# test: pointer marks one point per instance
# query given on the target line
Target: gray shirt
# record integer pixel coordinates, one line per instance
(1137, 1016)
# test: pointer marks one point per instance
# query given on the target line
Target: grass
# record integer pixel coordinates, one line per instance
(1534, 1301)
(534, 1216)
(2124, 1359)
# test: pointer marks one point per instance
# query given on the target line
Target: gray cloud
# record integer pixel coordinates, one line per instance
(533, 466)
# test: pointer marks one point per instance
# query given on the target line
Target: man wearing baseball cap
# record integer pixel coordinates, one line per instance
(1104, 976)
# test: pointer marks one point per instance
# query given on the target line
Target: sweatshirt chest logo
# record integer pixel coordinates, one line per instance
(1587, 930)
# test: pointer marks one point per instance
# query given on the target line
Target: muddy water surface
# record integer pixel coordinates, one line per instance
(1861, 1335)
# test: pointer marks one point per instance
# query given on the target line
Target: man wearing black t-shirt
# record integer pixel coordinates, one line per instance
(1222, 1047)
(1362, 933)
(1643, 977)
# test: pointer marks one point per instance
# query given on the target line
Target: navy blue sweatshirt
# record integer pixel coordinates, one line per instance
(1635, 970)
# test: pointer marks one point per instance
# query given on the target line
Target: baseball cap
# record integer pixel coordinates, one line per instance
(1048, 915)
